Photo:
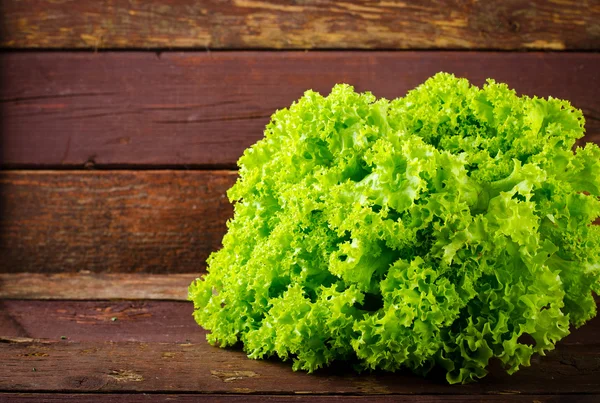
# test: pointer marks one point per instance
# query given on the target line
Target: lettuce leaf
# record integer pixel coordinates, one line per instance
(434, 230)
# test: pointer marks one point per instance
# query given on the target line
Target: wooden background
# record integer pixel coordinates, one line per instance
(121, 124)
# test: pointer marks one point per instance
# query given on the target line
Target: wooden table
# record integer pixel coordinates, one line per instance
(140, 338)
(122, 122)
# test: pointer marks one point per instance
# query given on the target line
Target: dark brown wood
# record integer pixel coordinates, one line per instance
(65, 366)
(111, 221)
(155, 346)
(440, 24)
(143, 321)
(95, 286)
(116, 321)
(203, 109)
(192, 397)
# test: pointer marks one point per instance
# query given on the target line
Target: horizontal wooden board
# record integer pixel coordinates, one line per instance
(142, 321)
(155, 346)
(202, 109)
(242, 398)
(311, 24)
(66, 366)
(41, 305)
(116, 321)
(95, 286)
(59, 222)
(111, 221)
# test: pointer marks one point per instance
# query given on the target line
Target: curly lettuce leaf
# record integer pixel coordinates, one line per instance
(443, 229)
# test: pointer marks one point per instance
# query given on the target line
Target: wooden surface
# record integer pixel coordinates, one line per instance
(108, 221)
(364, 24)
(95, 286)
(173, 359)
(143, 321)
(194, 397)
(148, 321)
(198, 109)
(115, 168)
(111, 221)
(67, 366)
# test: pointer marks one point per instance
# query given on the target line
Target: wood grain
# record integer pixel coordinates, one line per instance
(111, 221)
(115, 321)
(194, 109)
(40, 305)
(65, 366)
(155, 346)
(143, 321)
(195, 397)
(95, 286)
(313, 24)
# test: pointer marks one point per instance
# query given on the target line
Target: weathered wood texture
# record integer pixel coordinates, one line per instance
(445, 24)
(242, 398)
(119, 221)
(155, 346)
(115, 321)
(203, 109)
(95, 286)
(143, 321)
(108, 221)
(65, 366)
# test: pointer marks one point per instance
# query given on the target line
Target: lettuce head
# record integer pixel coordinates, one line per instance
(443, 229)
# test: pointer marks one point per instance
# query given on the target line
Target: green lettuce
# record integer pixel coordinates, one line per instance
(442, 229)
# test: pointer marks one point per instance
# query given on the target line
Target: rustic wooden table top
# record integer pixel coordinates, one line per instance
(121, 124)
(130, 342)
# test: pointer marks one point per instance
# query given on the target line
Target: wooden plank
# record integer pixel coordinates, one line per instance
(92, 335)
(116, 321)
(445, 24)
(95, 286)
(142, 321)
(111, 221)
(193, 397)
(199, 109)
(64, 366)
